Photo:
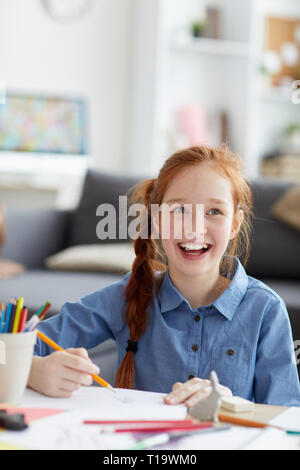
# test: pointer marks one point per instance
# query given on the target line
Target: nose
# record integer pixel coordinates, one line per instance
(194, 224)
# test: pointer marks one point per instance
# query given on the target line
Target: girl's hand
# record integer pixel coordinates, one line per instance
(192, 391)
(62, 372)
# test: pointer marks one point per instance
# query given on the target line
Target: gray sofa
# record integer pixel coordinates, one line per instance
(33, 235)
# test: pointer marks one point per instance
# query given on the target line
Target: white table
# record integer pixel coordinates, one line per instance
(66, 431)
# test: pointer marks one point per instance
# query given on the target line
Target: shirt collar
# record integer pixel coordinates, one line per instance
(227, 303)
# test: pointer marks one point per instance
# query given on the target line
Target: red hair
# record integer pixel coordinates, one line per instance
(144, 282)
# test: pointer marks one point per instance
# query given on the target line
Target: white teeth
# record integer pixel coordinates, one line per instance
(193, 246)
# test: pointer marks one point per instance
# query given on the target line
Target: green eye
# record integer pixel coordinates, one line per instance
(179, 210)
(214, 210)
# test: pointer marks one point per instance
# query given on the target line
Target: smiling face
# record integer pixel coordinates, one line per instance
(209, 193)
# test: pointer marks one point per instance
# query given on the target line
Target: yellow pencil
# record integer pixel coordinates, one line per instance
(20, 304)
(56, 347)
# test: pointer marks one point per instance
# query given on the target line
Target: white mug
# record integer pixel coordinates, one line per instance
(16, 350)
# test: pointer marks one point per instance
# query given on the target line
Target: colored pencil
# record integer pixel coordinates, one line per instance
(19, 308)
(163, 438)
(253, 424)
(37, 317)
(41, 310)
(31, 324)
(242, 421)
(8, 313)
(157, 428)
(141, 421)
(23, 318)
(12, 316)
(56, 347)
(2, 315)
(43, 313)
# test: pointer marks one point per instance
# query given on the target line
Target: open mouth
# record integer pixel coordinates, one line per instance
(193, 250)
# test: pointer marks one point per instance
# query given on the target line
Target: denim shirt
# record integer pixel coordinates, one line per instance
(244, 335)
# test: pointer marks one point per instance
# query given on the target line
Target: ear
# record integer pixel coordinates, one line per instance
(239, 218)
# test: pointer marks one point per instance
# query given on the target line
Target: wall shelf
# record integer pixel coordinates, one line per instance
(219, 76)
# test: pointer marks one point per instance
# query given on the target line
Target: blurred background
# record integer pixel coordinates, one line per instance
(96, 94)
(118, 85)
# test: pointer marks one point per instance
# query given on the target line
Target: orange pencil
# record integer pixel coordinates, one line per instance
(56, 347)
(246, 422)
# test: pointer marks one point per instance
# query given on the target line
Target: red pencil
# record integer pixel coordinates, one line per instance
(157, 428)
(143, 421)
(23, 318)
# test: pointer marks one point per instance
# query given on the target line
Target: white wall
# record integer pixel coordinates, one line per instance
(88, 57)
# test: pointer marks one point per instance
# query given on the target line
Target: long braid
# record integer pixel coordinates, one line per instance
(139, 290)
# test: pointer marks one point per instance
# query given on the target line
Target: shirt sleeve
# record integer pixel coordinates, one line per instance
(276, 379)
(88, 322)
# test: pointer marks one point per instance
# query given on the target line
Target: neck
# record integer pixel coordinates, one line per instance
(201, 290)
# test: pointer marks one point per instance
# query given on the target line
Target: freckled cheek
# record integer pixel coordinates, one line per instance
(168, 247)
(220, 234)
(216, 228)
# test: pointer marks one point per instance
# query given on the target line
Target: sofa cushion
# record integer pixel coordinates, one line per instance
(34, 234)
(113, 257)
(287, 208)
(99, 188)
(275, 248)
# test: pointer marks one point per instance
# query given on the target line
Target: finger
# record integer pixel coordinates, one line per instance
(82, 352)
(185, 391)
(177, 385)
(64, 393)
(60, 393)
(77, 362)
(225, 391)
(76, 376)
(204, 392)
(69, 385)
(198, 396)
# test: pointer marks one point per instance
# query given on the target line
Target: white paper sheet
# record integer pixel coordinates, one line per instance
(101, 403)
(289, 419)
(273, 439)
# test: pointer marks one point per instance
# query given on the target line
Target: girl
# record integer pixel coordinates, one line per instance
(188, 306)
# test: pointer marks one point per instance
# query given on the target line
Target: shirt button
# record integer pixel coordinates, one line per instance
(197, 318)
(191, 376)
(209, 308)
(195, 347)
(230, 352)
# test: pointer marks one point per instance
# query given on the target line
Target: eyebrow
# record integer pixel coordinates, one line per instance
(217, 201)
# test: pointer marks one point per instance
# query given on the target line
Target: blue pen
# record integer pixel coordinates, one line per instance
(8, 312)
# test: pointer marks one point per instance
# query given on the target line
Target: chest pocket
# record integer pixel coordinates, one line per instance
(232, 364)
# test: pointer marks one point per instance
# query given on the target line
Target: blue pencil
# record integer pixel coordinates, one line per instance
(2, 317)
(8, 313)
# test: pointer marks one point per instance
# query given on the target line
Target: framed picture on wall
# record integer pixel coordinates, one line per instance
(43, 124)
